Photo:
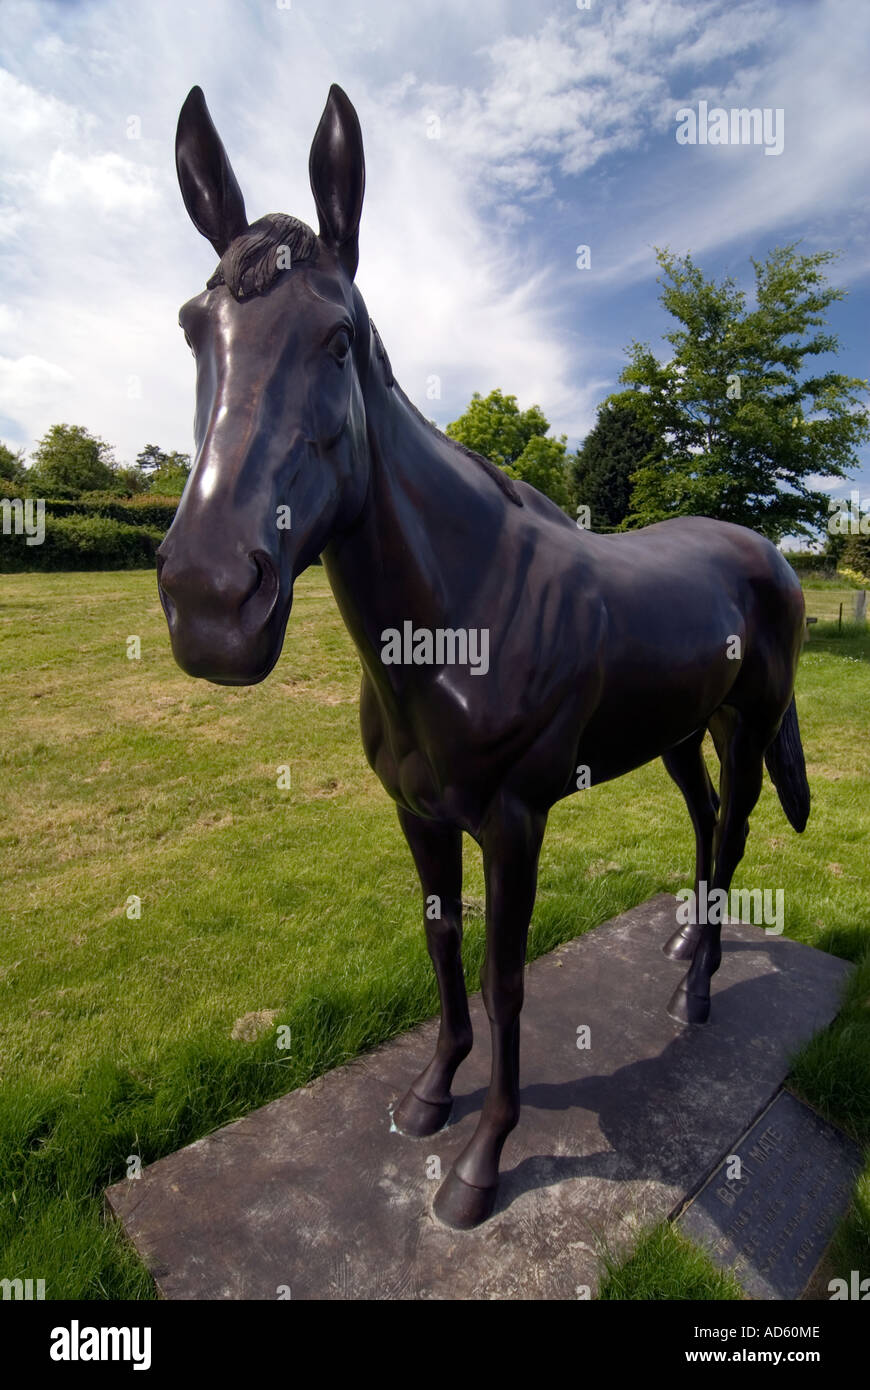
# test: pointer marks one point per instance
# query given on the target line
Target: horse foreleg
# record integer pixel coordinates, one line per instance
(511, 844)
(742, 770)
(687, 767)
(437, 851)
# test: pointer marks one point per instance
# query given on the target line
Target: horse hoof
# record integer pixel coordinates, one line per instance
(689, 1008)
(417, 1118)
(681, 946)
(462, 1206)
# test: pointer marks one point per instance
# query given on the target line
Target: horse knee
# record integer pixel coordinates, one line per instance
(443, 941)
(502, 996)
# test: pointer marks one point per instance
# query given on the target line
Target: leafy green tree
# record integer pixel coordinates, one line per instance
(130, 481)
(746, 427)
(517, 441)
(496, 427)
(165, 474)
(856, 554)
(849, 541)
(149, 459)
(169, 479)
(69, 460)
(620, 442)
(543, 464)
(13, 474)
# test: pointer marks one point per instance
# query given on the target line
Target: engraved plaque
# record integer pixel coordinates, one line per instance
(770, 1218)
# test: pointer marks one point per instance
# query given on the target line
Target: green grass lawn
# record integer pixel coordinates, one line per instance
(124, 777)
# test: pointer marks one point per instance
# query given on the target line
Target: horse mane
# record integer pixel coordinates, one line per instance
(250, 263)
(497, 474)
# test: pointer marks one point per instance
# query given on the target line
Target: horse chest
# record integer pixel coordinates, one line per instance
(403, 771)
(436, 782)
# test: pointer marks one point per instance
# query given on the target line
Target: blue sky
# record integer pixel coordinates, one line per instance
(555, 126)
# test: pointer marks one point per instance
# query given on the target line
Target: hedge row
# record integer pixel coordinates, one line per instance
(134, 511)
(82, 543)
(805, 562)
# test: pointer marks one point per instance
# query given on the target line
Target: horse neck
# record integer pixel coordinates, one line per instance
(431, 518)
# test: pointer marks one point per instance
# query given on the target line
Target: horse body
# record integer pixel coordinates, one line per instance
(602, 652)
(691, 607)
(602, 655)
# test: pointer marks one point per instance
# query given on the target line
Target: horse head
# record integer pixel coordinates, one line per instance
(282, 341)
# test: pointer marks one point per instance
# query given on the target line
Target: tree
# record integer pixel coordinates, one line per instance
(856, 554)
(746, 428)
(848, 542)
(496, 427)
(833, 550)
(620, 442)
(517, 441)
(169, 479)
(543, 465)
(13, 474)
(131, 481)
(150, 458)
(165, 474)
(69, 460)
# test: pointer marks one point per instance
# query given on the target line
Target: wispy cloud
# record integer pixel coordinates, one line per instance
(552, 125)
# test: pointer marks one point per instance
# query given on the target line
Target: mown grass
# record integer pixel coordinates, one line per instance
(123, 777)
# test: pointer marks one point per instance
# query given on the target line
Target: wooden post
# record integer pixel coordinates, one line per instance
(861, 606)
(840, 620)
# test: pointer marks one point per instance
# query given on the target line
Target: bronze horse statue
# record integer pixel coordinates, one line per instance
(603, 652)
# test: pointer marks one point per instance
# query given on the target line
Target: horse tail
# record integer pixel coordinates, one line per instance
(788, 771)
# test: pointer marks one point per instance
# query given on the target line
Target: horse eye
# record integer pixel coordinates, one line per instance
(339, 344)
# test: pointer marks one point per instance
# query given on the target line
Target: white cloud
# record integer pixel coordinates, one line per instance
(29, 383)
(548, 120)
(105, 181)
(10, 318)
(34, 120)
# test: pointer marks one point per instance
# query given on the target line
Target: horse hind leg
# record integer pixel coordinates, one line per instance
(687, 767)
(742, 773)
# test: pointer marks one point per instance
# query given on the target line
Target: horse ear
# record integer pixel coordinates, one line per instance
(208, 185)
(337, 170)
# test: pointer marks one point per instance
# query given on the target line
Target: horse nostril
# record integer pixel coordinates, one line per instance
(163, 593)
(257, 606)
(267, 576)
(245, 592)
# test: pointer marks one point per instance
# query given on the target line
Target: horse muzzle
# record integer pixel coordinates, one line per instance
(225, 620)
